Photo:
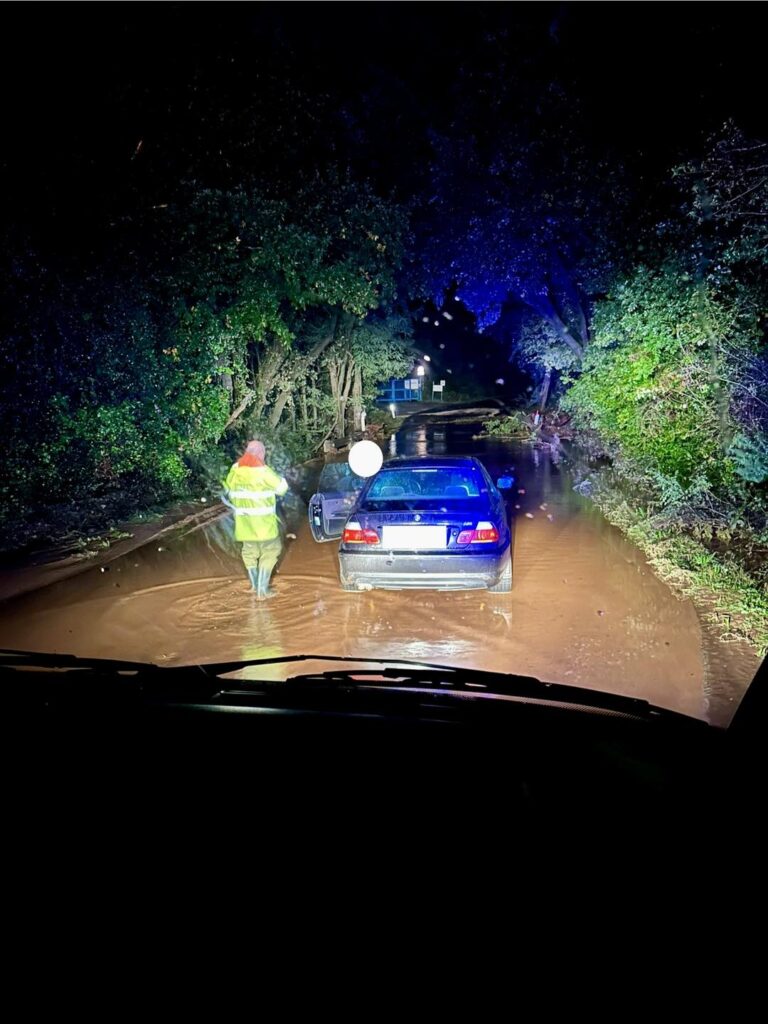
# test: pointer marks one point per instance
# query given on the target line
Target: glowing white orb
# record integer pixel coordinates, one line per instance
(365, 458)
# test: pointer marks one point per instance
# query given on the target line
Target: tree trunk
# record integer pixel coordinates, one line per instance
(565, 335)
(277, 408)
(237, 413)
(225, 378)
(545, 390)
(269, 367)
(357, 399)
(583, 327)
(341, 372)
(300, 365)
(349, 373)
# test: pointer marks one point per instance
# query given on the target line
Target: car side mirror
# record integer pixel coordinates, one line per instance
(505, 483)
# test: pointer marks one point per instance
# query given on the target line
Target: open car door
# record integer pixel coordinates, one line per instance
(330, 506)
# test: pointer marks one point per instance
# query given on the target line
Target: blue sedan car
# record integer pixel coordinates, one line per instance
(438, 523)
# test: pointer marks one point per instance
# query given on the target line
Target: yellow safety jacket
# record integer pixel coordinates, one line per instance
(251, 491)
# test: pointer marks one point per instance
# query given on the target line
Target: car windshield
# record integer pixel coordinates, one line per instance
(449, 345)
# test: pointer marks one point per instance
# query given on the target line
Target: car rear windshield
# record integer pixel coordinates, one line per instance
(427, 488)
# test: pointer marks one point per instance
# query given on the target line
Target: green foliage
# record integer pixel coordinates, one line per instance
(130, 372)
(515, 426)
(649, 386)
(673, 384)
(540, 345)
(750, 457)
(382, 348)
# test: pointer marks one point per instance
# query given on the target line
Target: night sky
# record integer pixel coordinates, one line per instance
(84, 83)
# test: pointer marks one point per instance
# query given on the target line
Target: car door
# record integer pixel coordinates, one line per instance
(499, 500)
(330, 506)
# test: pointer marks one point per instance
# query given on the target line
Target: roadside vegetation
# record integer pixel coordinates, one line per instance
(132, 375)
(671, 391)
(674, 389)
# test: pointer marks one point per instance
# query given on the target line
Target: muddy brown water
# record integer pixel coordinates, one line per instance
(585, 608)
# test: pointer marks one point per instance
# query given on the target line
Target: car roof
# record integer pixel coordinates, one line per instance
(431, 462)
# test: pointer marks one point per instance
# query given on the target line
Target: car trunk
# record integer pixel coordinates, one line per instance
(433, 531)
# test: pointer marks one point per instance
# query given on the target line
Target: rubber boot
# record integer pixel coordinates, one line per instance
(253, 576)
(264, 589)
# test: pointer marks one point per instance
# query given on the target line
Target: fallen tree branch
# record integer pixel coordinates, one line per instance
(246, 401)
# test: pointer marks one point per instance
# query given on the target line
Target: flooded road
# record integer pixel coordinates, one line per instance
(585, 607)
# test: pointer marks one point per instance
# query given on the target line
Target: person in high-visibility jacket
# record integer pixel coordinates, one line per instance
(251, 489)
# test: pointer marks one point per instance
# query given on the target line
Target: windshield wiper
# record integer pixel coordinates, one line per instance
(442, 679)
(397, 674)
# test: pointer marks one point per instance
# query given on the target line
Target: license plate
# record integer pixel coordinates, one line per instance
(416, 538)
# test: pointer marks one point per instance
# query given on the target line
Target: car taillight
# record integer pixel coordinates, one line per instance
(487, 536)
(355, 534)
(484, 533)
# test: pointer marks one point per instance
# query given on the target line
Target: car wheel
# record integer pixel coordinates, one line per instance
(504, 586)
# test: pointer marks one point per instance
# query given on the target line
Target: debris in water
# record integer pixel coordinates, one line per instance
(291, 536)
(161, 549)
(543, 506)
(600, 611)
(517, 506)
(521, 490)
(550, 517)
(529, 515)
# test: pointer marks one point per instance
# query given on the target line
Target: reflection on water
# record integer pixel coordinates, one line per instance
(439, 445)
(585, 607)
